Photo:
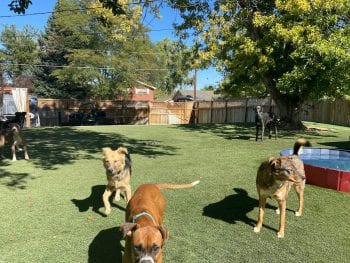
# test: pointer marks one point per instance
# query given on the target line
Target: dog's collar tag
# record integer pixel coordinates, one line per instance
(135, 217)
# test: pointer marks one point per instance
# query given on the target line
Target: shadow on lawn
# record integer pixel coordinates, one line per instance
(235, 208)
(94, 201)
(239, 131)
(14, 180)
(227, 131)
(50, 147)
(106, 247)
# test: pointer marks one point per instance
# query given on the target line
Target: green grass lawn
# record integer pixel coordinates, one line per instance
(49, 205)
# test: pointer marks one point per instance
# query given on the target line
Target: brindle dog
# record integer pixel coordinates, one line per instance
(118, 171)
(265, 120)
(275, 178)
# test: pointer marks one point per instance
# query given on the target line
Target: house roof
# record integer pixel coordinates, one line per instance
(146, 85)
(206, 95)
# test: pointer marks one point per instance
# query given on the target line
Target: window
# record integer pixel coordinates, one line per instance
(141, 91)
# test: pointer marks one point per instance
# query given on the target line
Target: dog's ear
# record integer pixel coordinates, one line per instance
(106, 150)
(122, 150)
(274, 162)
(127, 228)
(165, 232)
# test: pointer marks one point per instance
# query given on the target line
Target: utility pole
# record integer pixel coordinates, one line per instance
(195, 85)
(1, 92)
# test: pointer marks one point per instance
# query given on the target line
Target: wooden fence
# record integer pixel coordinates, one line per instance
(56, 112)
(232, 111)
(335, 112)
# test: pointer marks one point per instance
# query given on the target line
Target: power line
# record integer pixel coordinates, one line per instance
(69, 10)
(88, 8)
(51, 12)
(118, 53)
(77, 67)
(121, 33)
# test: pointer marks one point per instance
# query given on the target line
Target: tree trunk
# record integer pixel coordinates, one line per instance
(289, 106)
(290, 112)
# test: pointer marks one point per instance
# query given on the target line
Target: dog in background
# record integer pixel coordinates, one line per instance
(13, 134)
(143, 231)
(275, 178)
(118, 171)
(264, 121)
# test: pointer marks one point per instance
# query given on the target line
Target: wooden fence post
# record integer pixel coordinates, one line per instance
(211, 112)
(27, 116)
(225, 111)
(246, 112)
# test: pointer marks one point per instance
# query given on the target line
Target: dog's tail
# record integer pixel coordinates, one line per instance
(298, 145)
(177, 186)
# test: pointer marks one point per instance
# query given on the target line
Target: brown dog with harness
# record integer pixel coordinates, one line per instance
(143, 231)
(275, 178)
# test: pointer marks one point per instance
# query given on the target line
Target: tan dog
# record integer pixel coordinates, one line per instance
(118, 172)
(274, 179)
(144, 231)
(15, 136)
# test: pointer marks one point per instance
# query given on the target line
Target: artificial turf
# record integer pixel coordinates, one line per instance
(50, 204)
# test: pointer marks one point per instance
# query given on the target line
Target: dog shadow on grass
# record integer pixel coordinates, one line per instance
(94, 201)
(235, 208)
(106, 247)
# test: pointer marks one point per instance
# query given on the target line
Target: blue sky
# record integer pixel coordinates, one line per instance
(162, 28)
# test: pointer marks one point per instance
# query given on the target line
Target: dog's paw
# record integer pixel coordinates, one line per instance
(257, 229)
(280, 235)
(105, 211)
(115, 201)
(297, 213)
(277, 211)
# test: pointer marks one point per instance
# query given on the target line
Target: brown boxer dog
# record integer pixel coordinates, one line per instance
(275, 178)
(143, 231)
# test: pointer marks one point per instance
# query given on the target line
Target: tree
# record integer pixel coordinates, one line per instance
(294, 50)
(56, 44)
(97, 53)
(94, 53)
(19, 51)
(20, 6)
(176, 58)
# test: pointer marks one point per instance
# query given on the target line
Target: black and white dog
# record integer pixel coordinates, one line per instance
(265, 120)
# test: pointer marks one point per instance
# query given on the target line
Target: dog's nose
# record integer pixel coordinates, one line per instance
(111, 169)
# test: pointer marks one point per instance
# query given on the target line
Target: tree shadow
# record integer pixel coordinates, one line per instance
(235, 208)
(241, 131)
(94, 201)
(14, 180)
(227, 131)
(106, 247)
(51, 147)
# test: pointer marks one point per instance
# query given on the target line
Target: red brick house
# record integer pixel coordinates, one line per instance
(141, 92)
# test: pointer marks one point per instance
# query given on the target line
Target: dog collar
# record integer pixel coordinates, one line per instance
(135, 217)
